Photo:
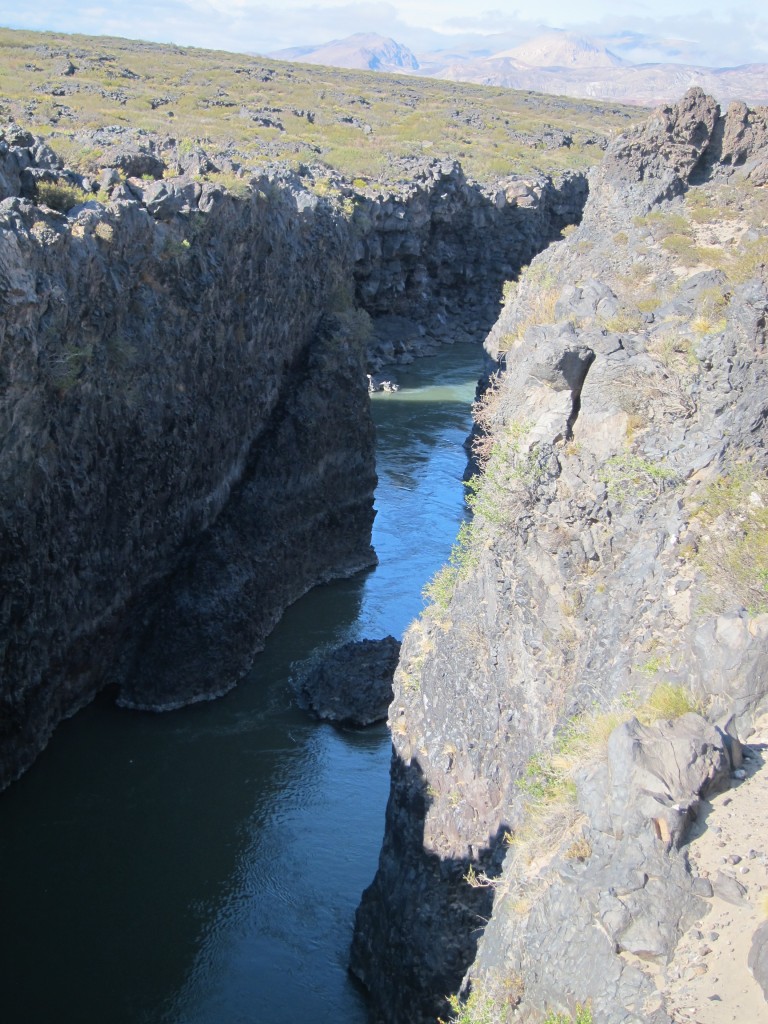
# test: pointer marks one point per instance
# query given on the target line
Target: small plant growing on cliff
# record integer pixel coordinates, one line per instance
(463, 559)
(624, 322)
(668, 701)
(61, 197)
(662, 225)
(233, 183)
(583, 1015)
(66, 368)
(486, 413)
(632, 479)
(580, 849)
(478, 1009)
(104, 231)
(509, 479)
(734, 551)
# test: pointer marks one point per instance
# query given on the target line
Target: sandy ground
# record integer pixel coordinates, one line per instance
(708, 981)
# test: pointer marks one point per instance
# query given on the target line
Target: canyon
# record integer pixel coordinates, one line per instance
(188, 448)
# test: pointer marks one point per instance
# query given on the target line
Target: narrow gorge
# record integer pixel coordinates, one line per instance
(187, 441)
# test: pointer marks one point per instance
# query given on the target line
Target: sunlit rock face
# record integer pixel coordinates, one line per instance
(617, 544)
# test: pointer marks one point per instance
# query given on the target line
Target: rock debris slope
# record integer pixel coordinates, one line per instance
(612, 583)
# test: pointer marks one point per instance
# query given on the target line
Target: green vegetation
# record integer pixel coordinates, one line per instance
(624, 322)
(733, 551)
(233, 183)
(65, 369)
(675, 351)
(463, 559)
(583, 1015)
(668, 701)
(511, 472)
(476, 1010)
(684, 250)
(61, 197)
(259, 109)
(480, 1008)
(632, 479)
(541, 291)
(547, 780)
(663, 225)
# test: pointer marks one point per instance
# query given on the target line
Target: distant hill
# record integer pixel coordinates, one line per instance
(561, 50)
(641, 84)
(363, 51)
(558, 63)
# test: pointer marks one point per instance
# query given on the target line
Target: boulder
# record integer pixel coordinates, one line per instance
(353, 684)
(656, 774)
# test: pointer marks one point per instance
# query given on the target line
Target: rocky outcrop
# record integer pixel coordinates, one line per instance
(352, 685)
(617, 545)
(616, 891)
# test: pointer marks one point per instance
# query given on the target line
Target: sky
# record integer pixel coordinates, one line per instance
(683, 31)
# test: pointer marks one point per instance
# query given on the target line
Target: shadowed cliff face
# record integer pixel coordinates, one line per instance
(432, 256)
(617, 543)
(187, 445)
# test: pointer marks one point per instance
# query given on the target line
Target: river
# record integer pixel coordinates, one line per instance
(203, 866)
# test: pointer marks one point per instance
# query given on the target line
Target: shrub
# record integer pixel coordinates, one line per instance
(104, 231)
(505, 488)
(232, 183)
(662, 225)
(667, 701)
(583, 1016)
(747, 260)
(478, 1009)
(623, 322)
(61, 196)
(734, 552)
(684, 250)
(632, 479)
(463, 559)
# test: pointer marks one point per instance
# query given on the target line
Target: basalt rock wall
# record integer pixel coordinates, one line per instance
(617, 547)
(433, 254)
(187, 444)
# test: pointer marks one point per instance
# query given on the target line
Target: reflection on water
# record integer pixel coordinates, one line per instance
(203, 867)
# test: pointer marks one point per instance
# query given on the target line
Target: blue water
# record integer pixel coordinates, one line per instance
(203, 867)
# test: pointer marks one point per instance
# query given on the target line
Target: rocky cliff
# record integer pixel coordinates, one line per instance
(187, 445)
(434, 251)
(186, 440)
(611, 583)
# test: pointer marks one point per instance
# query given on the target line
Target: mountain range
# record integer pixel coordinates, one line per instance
(560, 63)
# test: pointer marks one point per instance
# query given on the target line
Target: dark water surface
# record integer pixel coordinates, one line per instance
(203, 866)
